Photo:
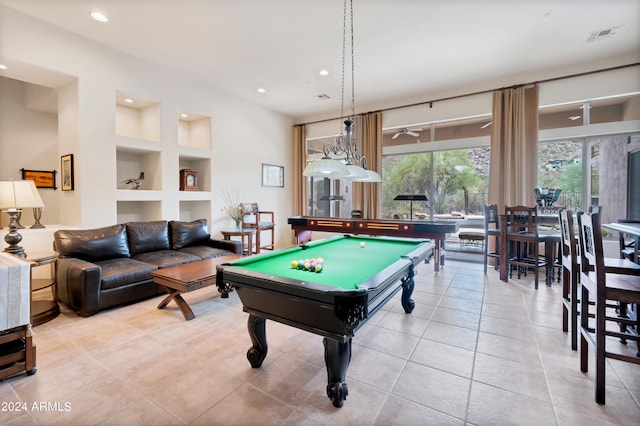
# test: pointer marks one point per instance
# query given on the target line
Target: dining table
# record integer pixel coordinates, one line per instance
(626, 228)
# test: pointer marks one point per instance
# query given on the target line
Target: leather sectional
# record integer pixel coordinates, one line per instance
(106, 267)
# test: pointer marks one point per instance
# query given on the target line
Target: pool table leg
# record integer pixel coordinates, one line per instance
(407, 290)
(337, 356)
(258, 352)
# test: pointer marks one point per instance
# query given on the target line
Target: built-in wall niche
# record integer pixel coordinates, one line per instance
(193, 210)
(202, 166)
(194, 131)
(139, 211)
(138, 118)
(131, 163)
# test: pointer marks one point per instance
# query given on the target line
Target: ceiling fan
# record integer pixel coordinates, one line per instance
(405, 131)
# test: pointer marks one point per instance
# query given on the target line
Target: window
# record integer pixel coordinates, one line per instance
(453, 180)
(560, 167)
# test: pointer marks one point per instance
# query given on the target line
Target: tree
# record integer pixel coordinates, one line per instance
(410, 174)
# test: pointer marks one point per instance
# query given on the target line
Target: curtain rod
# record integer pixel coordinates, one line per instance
(482, 92)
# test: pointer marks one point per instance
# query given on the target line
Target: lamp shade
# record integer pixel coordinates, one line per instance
(17, 194)
(328, 168)
(370, 177)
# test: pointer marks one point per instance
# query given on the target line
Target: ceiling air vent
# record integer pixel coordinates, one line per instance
(603, 34)
(323, 96)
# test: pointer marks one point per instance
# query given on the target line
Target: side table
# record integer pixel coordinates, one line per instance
(242, 233)
(43, 309)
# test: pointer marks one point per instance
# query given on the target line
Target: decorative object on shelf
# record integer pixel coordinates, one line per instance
(16, 195)
(66, 167)
(188, 180)
(232, 206)
(42, 178)
(135, 182)
(546, 196)
(412, 198)
(334, 169)
(37, 215)
(272, 175)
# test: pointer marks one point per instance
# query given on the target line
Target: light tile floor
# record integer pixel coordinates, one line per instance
(474, 351)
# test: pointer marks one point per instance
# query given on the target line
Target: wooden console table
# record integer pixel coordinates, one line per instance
(43, 310)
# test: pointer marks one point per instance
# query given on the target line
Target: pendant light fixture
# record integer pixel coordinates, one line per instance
(345, 144)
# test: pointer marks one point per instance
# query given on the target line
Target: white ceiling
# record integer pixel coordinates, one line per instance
(404, 49)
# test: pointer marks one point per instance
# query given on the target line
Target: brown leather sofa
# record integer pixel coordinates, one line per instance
(106, 267)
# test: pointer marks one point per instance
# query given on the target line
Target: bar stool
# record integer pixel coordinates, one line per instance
(491, 229)
(602, 287)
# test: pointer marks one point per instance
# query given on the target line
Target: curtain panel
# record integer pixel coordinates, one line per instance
(514, 147)
(368, 193)
(299, 186)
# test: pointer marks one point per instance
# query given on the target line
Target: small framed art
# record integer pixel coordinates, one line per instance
(66, 172)
(41, 178)
(272, 175)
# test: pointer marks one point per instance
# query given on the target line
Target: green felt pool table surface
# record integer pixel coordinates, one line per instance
(346, 264)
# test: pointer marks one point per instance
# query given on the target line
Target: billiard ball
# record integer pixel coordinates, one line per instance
(307, 265)
(362, 244)
(294, 264)
(319, 267)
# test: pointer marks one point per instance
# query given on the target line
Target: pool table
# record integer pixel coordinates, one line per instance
(391, 228)
(360, 274)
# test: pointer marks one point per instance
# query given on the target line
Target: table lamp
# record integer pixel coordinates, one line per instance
(15, 195)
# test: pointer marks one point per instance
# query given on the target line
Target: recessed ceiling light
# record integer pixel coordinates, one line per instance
(129, 100)
(3, 67)
(323, 72)
(262, 90)
(99, 16)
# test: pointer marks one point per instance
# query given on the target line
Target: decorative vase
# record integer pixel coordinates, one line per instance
(238, 223)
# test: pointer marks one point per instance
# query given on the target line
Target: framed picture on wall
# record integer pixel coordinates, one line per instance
(41, 178)
(66, 167)
(272, 175)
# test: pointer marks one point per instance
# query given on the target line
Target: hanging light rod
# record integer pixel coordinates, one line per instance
(345, 144)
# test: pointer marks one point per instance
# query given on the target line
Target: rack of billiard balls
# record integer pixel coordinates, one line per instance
(311, 265)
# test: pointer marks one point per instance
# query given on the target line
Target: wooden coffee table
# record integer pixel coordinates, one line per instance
(188, 277)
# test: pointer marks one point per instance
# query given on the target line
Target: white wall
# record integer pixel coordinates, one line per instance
(243, 135)
(587, 87)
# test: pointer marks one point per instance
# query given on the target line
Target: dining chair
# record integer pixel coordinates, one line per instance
(548, 224)
(629, 243)
(601, 286)
(571, 262)
(570, 273)
(492, 235)
(523, 241)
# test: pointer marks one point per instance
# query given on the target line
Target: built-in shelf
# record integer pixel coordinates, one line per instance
(194, 131)
(192, 210)
(138, 118)
(139, 195)
(200, 165)
(130, 162)
(142, 147)
(138, 211)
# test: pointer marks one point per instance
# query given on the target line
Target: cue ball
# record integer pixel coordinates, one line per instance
(362, 244)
